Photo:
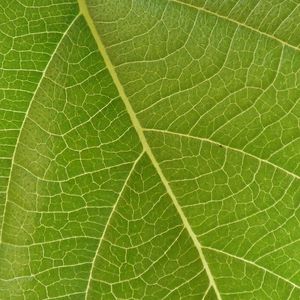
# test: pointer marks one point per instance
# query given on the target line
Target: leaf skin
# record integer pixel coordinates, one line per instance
(149, 150)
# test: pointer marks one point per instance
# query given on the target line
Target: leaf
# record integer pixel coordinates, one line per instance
(149, 149)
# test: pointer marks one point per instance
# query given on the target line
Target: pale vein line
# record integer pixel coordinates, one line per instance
(206, 292)
(34, 275)
(108, 222)
(84, 10)
(253, 264)
(225, 146)
(236, 22)
(25, 118)
(58, 241)
(185, 283)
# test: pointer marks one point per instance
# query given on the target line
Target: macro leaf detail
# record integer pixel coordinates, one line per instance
(149, 149)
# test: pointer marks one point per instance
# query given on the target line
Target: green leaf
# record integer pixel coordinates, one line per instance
(149, 149)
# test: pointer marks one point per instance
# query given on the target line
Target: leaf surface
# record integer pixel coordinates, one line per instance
(149, 149)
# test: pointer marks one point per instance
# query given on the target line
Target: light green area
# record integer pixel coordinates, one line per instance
(149, 149)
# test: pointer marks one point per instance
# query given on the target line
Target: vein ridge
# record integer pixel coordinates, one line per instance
(136, 124)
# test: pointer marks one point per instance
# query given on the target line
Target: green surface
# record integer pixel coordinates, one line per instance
(149, 149)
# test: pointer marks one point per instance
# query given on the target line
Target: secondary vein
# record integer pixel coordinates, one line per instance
(25, 118)
(202, 139)
(108, 221)
(236, 22)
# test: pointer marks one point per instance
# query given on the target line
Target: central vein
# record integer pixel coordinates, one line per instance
(136, 123)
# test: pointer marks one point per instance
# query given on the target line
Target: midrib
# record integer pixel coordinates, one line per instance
(136, 123)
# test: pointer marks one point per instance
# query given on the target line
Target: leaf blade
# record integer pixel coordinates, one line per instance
(88, 217)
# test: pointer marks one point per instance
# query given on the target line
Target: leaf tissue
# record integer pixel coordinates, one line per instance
(149, 149)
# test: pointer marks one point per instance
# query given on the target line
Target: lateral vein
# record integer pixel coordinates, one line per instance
(108, 221)
(225, 146)
(25, 118)
(236, 22)
(246, 261)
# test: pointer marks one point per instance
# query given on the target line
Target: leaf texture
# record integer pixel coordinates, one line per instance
(149, 149)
